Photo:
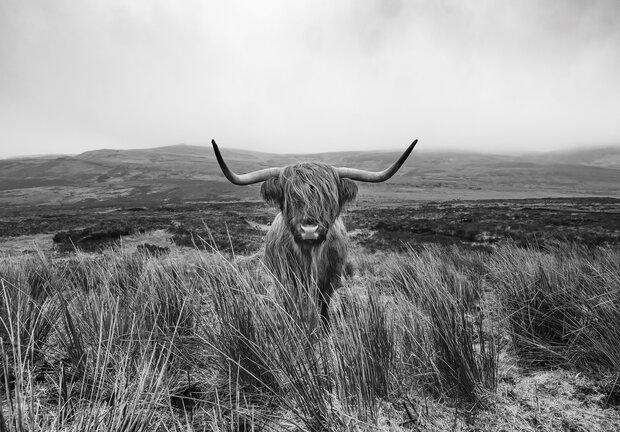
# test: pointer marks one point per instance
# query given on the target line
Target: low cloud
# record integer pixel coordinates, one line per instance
(308, 76)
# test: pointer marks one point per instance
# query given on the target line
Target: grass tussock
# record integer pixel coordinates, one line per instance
(463, 351)
(195, 341)
(562, 304)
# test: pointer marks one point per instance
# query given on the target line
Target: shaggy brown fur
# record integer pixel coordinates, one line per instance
(309, 194)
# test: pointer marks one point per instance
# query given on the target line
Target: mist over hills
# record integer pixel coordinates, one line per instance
(608, 157)
(179, 173)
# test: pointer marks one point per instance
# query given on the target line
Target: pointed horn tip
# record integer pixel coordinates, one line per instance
(213, 142)
(411, 147)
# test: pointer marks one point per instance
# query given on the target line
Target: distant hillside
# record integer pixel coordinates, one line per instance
(190, 173)
(608, 157)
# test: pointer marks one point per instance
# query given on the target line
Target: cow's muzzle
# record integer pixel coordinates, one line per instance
(309, 234)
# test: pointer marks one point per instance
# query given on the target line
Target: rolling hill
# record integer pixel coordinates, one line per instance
(181, 173)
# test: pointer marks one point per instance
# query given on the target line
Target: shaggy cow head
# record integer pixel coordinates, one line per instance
(310, 195)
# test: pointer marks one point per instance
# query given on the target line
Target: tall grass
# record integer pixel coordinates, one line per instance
(562, 303)
(463, 358)
(365, 353)
(195, 341)
(269, 339)
(85, 354)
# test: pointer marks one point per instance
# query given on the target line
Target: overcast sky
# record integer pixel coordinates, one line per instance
(308, 76)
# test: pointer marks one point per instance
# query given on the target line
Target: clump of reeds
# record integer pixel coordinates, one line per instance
(81, 348)
(562, 303)
(458, 344)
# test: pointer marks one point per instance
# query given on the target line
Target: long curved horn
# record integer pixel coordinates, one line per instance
(244, 179)
(378, 176)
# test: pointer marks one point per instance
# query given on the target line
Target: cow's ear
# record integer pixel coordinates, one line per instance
(271, 191)
(347, 191)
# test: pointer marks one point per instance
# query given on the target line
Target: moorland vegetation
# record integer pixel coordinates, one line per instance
(430, 338)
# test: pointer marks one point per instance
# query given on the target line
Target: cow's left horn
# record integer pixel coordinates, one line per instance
(244, 179)
(378, 176)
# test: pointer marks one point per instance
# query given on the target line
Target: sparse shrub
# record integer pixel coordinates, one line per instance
(153, 250)
(93, 238)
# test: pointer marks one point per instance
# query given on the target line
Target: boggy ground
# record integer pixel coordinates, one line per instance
(240, 226)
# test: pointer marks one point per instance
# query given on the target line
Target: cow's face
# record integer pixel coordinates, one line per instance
(310, 197)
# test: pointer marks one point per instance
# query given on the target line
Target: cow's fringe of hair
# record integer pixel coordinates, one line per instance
(314, 187)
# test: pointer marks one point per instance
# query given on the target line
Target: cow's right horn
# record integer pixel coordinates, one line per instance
(376, 176)
(244, 179)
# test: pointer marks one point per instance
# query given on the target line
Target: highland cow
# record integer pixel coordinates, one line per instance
(307, 242)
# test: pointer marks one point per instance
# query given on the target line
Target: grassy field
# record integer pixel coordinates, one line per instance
(486, 332)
